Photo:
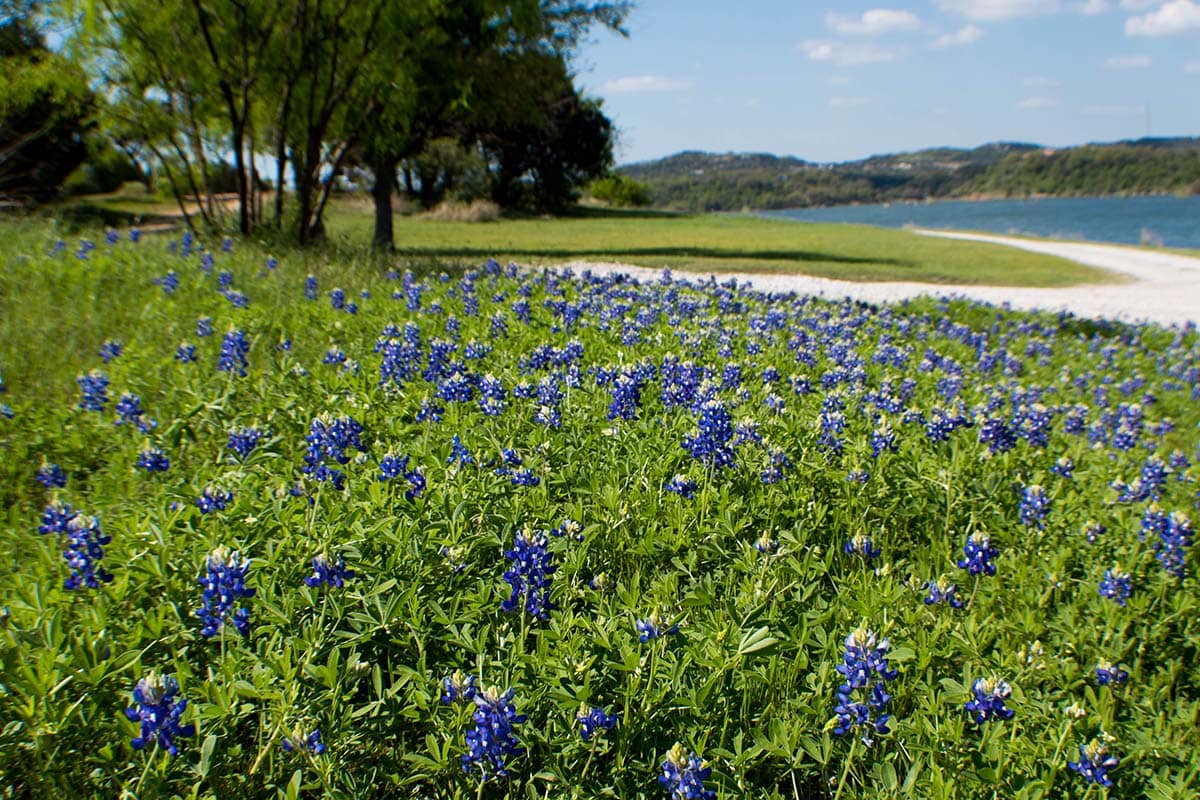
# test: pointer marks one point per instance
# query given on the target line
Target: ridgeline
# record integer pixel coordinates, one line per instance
(697, 181)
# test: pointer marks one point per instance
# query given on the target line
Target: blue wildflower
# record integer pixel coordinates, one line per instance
(52, 476)
(459, 454)
(85, 548)
(393, 466)
(530, 575)
(458, 687)
(1092, 531)
(185, 353)
(592, 720)
(234, 348)
(330, 573)
(1064, 467)
(1109, 673)
(765, 544)
(493, 738)
(942, 591)
(682, 486)
(152, 459)
(243, 440)
(1116, 585)
(683, 775)
(652, 627)
(865, 669)
(111, 349)
(213, 499)
(710, 444)
(158, 708)
(328, 439)
(94, 387)
(861, 545)
(988, 703)
(1034, 505)
(224, 582)
(56, 517)
(978, 554)
(1094, 763)
(310, 287)
(1174, 540)
(298, 741)
(204, 327)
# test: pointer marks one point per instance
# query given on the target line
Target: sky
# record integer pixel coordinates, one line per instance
(837, 80)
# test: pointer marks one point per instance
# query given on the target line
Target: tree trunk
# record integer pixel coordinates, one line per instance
(385, 183)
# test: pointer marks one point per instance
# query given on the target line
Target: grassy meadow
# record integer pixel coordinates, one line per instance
(284, 526)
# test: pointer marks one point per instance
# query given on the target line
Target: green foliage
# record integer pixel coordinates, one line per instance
(45, 109)
(621, 191)
(749, 681)
(105, 170)
(712, 182)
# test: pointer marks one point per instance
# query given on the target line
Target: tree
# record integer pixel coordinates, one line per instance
(45, 110)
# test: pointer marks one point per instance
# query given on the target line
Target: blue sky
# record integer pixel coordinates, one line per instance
(839, 80)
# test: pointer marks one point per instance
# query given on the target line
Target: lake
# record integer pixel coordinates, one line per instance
(1163, 221)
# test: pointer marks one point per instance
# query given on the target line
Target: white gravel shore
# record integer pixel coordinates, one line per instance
(1165, 286)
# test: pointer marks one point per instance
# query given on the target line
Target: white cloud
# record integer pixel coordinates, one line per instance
(847, 54)
(1127, 62)
(1177, 16)
(847, 102)
(1091, 8)
(1040, 82)
(998, 10)
(968, 34)
(1192, 66)
(874, 22)
(1036, 103)
(646, 83)
(839, 80)
(1139, 5)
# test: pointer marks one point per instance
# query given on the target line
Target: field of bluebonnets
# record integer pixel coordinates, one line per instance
(277, 528)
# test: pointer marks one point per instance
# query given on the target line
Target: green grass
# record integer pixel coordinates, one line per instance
(725, 243)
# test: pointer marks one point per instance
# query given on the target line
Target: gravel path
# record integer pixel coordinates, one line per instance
(1165, 286)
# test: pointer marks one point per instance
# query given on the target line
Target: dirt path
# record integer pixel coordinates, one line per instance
(1165, 286)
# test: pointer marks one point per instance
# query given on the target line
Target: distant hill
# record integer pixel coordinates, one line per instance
(699, 181)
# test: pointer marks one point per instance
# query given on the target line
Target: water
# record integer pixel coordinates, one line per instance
(1161, 221)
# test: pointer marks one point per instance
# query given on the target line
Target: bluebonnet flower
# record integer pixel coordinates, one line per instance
(152, 459)
(1094, 763)
(883, 439)
(568, 528)
(765, 544)
(310, 287)
(224, 279)
(861, 545)
(683, 775)
(857, 476)
(493, 738)
(85, 548)
(530, 575)
(988, 703)
(458, 687)
(224, 582)
(1092, 530)
(234, 348)
(430, 411)
(682, 486)
(997, 434)
(393, 466)
(1064, 467)
(334, 355)
(135, 235)
(298, 741)
(204, 327)
(710, 444)
(1116, 584)
(213, 499)
(626, 393)
(456, 388)
(158, 707)
(459, 453)
(227, 245)
(129, 409)
(236, 299)
(1154, 522)
(6, 411)
(865, 669)
(593, 719)
(94, 387)
(243, 440)
(185, 353)
(524, 477)
(111, 349)
(1109, 673)
(111, 236)
(1034, 505)
(492, 395)
(652, 627)
(52, 476)
(56, 517)
(1174, 540)
(328, 439)
(942, 591)
(337, 299)
(978, 554)
(272, 262)
(331, 573)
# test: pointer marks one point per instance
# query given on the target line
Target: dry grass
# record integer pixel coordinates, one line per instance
(475, 211)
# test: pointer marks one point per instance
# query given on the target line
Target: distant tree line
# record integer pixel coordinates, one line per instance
(442, 98)
(731, 182)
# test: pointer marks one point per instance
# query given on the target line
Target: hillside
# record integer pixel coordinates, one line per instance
(699, 181)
